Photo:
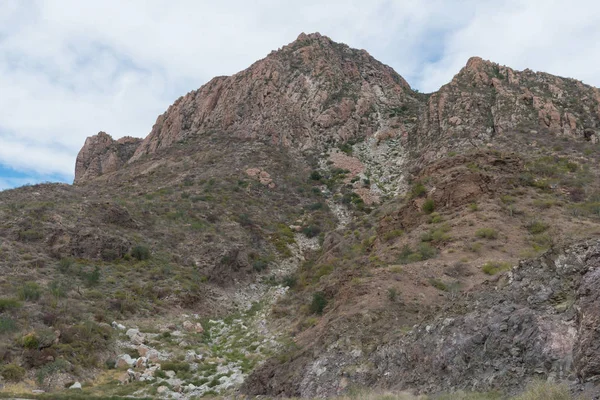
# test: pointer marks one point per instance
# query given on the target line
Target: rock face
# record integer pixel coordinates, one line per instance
(486, 99)
(102, 154)
(315, 92)
(540, 319)
(309, 92)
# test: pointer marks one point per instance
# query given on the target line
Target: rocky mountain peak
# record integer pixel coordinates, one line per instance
(102, 154)
(308, 92)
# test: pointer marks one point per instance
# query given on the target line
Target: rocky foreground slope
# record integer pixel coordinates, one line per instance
(310, 226)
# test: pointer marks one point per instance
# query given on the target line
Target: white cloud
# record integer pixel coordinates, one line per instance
(71, 68)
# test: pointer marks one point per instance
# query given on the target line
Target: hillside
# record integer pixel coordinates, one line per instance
(311, 226)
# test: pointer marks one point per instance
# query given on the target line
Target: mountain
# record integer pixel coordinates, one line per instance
(312, 225)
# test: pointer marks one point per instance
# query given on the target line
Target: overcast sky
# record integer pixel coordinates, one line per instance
(70, 68)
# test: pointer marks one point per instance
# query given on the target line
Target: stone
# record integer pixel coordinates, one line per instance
(118, 326)
(170, 374)
(143, 350)
(75, 386)
(193, 327)
(153, 355)
(162, 389)
(135, 336)
(124, 361)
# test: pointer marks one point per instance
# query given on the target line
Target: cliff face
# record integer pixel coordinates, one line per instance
(314, 92)
(486, 99)
(309, 92)
(101, 154)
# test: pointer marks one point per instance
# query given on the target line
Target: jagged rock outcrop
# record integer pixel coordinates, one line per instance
(486, 99)
(540, 319)
(315, 92)
(309, 92)
(102, 154)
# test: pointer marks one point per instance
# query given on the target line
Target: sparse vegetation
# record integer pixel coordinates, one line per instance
(140, 253)
(428, 206)
(495, 267)
(318, 304)
(487, 233)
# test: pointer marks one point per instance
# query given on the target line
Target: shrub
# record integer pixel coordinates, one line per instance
(318, 304)
(30, 235)
(487, 233)
(244, 220)
(92, 278)
(30, 341)
(392, 294)
(260, 265)
(30, 291)
(417, 190)
(494, 267)
(311, 231)
(473, 207)
(392, 234)
(545, 390)
(65, 264)
(315, 176)
(507, 199)
(428, 206)
(12, 372)
(424, 251)
(438, 284)
(9, 304)
(438, 235)
(290, 281)
(7, 325)
(140, 253)
(536, 227)
(435, 218)
(175, 366)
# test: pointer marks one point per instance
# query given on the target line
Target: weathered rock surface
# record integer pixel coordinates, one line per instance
(102, 154)
(309, 92)
(486, 99)
(538, 320)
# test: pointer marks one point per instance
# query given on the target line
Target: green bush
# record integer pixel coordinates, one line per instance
(429, 206)
(315, 176)
(260, 265)
(30, 341)
(30, 235)
(30, 291)
(290, 281)
(494, 267)
(392, 234)
(423, 252)
(7, 325)
(536, 227)
(318, 304)
(392, 294)
(437, 235)
(65, 264)
(487, 233)
(140, 253)
(438, 284)
(9, 304)
(311, 231)
(92, 278)
(417, 190)
(12, 372)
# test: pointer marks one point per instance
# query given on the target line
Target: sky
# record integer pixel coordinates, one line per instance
(72, 68)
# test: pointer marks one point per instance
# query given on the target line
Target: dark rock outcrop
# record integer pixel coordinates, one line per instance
(538, 320)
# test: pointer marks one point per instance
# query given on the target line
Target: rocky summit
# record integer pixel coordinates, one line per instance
(314, 227)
